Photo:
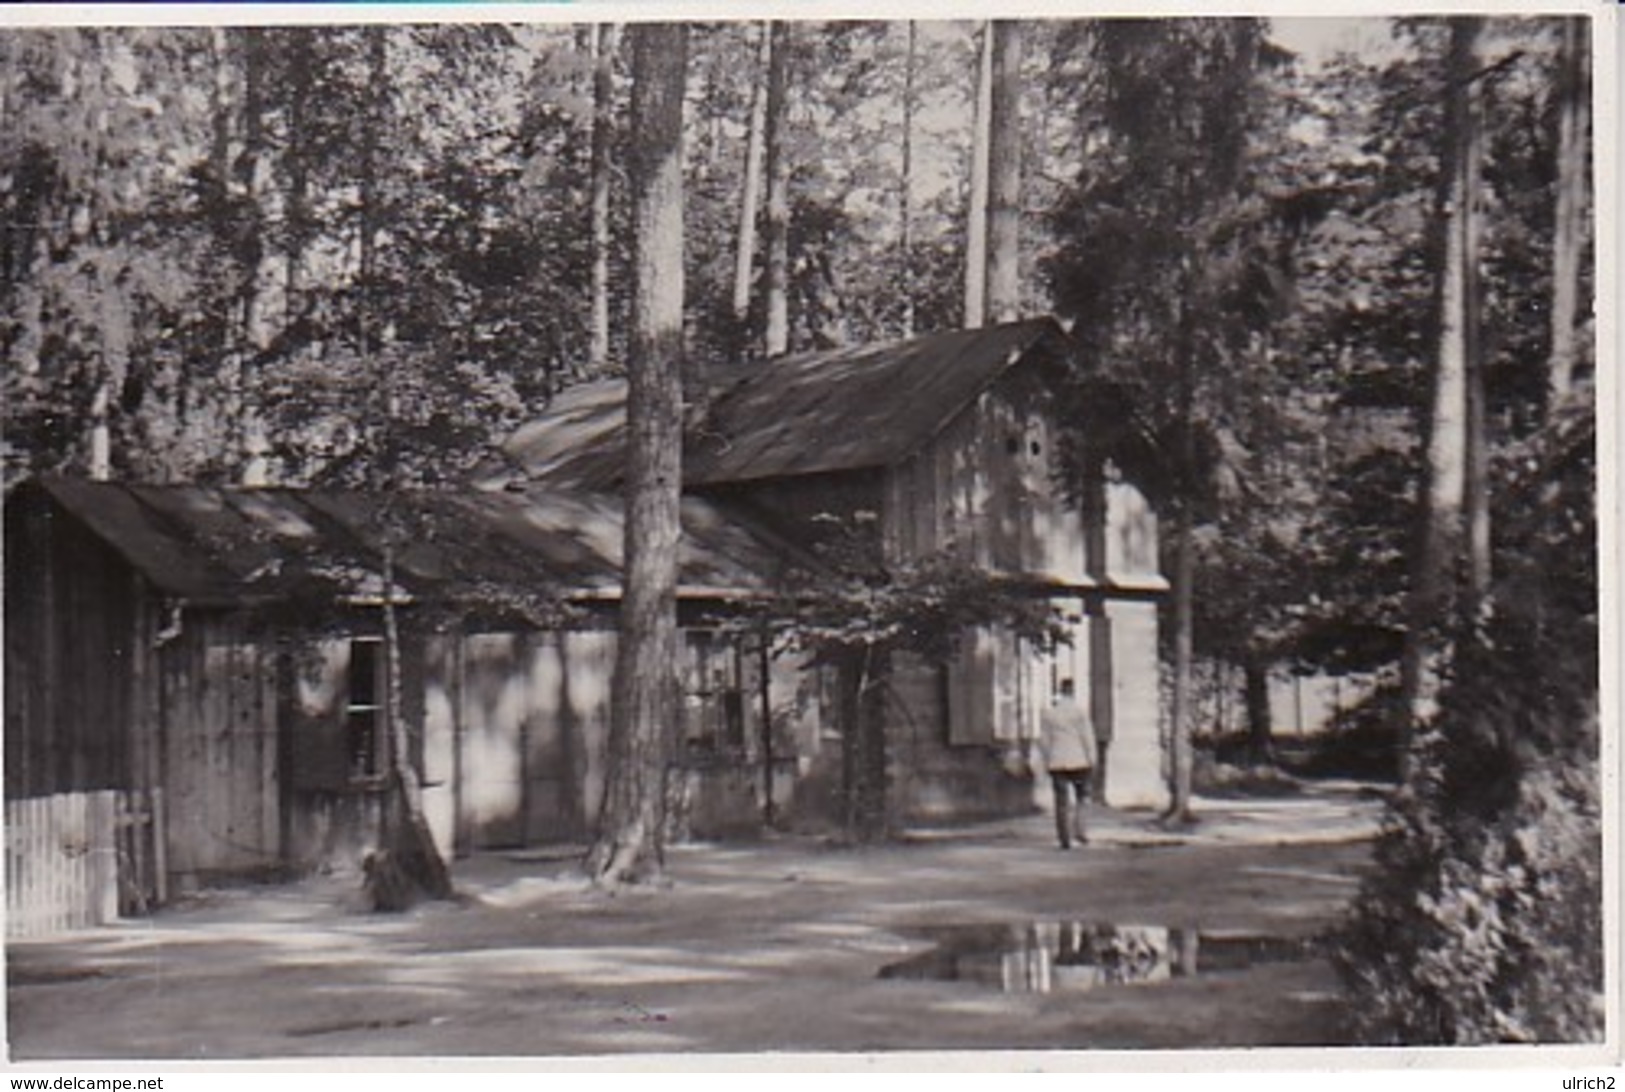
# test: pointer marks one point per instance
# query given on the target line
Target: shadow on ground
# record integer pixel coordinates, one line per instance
(771, 946)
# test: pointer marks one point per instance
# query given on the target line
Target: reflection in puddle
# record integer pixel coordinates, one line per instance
(1058, 956)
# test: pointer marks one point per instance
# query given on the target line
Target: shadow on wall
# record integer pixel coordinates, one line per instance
(534, 725)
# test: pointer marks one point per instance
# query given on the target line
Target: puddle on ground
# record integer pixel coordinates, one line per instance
(49, 976)
(1063, 956)
(341, 1026)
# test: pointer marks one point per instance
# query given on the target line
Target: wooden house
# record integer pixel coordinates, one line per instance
(225, 647)
(946, 444)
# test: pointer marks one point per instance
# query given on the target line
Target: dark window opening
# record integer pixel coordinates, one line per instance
(363, 713)
(714, 696)
(733, 720)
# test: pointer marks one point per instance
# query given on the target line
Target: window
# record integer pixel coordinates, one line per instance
(714, 699)
(364, 709)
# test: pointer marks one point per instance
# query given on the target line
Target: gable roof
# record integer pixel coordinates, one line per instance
(227, 545)
(807, 413)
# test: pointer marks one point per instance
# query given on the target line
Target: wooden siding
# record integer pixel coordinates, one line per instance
(533, 715)
(77, 642)
(61, 862)
(74, 860)
(441, 691)
(1131, 535)
(220, 719)
(987, 489)
(1134, 756)
(934, 778)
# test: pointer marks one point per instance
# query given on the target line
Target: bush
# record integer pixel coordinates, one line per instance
(1490, 935)
(1483, 919)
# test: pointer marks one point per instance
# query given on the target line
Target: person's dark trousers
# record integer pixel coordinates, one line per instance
(1071, 795)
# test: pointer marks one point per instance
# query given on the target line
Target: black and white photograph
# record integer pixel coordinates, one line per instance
(577, 533)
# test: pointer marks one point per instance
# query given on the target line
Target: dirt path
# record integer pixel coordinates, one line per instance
(774, 946)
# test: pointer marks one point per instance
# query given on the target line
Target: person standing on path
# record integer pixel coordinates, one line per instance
(1070, 753)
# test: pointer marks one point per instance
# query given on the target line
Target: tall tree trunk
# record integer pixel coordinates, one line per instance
(1183, 712)
(366, 319)
(643, 715)
(776, 331)
(603, 132)
(253, 171)
(976, 206)
(861, 674)
(1476, 481)
(113, 350)
(300, 59)
(100, 441)
(1260, 730)
(905, 196)
(1004, 185)
(750, 198)
(874, 805)
(225, 146)
(1433, 608)
(1568, 229)
(237, 103)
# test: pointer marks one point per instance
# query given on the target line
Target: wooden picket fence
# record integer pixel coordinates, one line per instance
(75, 860)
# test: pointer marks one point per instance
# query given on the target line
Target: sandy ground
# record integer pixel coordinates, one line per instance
(769, 946)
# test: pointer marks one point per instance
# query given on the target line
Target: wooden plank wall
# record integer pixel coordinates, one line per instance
(143, 852)
(1134, 773)
(221, 746)
(571, 678)
(76, 860)
(1131, 540)
(533, 720)
(73, 645)
(492, 744)
(997, 683)
(442, 689)
(934, 779)
(987, 489)
(61, 862)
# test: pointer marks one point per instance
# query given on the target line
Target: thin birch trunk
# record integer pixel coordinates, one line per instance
(776, 331)
(976, 207)
(906, 189)
(750, 198)
(604, 42)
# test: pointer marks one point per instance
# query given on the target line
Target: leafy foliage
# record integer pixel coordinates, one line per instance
(922, 607)
(1364, 314)
(852, 599)
(187, 214)
(1483, 920)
